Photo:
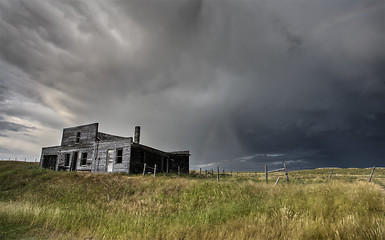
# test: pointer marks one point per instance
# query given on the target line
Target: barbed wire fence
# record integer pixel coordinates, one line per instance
(211, 173)
(16, 159)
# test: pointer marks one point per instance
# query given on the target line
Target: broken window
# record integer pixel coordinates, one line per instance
(78, 137)
(119, 155)
(84, 158)
(67, 160)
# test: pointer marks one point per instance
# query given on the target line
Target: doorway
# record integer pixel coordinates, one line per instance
(110, 160)
(74, 161)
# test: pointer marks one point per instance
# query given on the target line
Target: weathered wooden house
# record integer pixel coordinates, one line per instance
(84, 148)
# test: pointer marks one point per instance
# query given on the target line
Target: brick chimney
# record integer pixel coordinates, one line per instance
(137, 134)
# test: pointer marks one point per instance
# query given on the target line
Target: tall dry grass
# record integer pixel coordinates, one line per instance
(40, 204)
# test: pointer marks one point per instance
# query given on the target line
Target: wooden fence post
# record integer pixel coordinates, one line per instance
(371, 175)
(206, 172)
(212, 172)
(144, 169)
(217, 173)
(154, 170)
(237, 173)
(277, 180)
(231, 173)
(179, 171)
(287, 176)
(223, 172)
(331, 173)
(200, 172)
(266, 173)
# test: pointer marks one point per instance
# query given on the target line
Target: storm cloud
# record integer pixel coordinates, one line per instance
(240, 84)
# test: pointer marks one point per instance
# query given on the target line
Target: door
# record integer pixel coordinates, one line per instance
(110, 160)
(74, 161)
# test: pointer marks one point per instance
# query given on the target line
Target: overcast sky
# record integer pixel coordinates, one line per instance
(240, 84)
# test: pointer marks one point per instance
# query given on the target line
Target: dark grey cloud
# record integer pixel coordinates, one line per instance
(3, 91)
(14, 127)
(239, 83)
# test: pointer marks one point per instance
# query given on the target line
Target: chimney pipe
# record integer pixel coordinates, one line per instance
(137, 134)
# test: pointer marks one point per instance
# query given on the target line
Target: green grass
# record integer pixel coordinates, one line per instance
(36, 203)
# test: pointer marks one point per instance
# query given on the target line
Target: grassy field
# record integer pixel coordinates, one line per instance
(37, 203)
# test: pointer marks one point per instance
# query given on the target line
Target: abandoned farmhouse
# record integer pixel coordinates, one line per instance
(84, 148)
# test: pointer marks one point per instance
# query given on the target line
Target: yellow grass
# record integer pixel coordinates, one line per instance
(41, 204)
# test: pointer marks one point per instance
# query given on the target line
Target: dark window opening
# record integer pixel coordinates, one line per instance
(84, 158)
(49, 161)
(119, 155)
(78, 137)
(67, 160)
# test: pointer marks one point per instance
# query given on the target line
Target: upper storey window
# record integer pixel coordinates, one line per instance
(78, 137)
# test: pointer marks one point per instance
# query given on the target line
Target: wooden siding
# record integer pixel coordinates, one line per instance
(88, 135)
(50, 151)
(100, 163)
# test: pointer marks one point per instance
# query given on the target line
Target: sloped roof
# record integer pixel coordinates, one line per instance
(180, 153)
(160, 151)
(104, 136)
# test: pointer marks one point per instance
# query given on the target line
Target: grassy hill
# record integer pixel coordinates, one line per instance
(36, 203)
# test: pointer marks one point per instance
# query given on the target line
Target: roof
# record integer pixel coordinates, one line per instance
(149, 148)
(105, 136)
(160, 151)
(180, 153)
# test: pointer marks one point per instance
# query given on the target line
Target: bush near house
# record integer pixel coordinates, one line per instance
(37, 203)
